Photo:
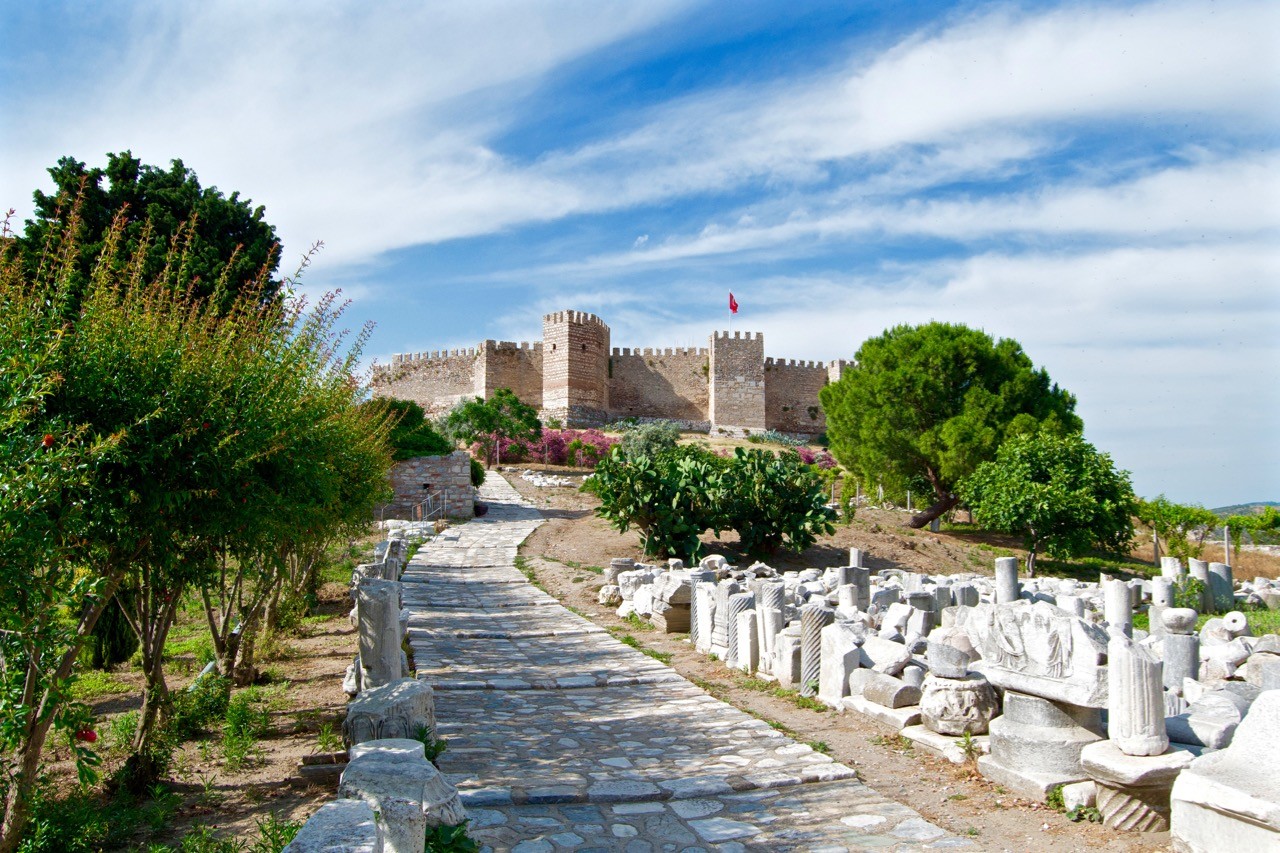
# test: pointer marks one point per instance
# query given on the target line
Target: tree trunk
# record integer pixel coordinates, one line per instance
(936, 510)
(17, 794)
(1031, 561)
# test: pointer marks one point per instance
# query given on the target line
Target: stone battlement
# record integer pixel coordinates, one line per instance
(624, 352)
(580, 318)
(574, 376)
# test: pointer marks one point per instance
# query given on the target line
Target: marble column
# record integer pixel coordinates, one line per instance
(1118, 608)
(378, 625)
(813, 618)
(1181, 646)
(1171, 568)
(738, 602)
(1221, 587)
(1199, 570)
(1135, 698)
(1008, 589)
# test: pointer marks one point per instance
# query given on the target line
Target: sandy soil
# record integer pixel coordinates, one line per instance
(573, 542)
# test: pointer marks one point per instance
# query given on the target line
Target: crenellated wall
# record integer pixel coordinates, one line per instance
(433, 380)
(574, 376)
(503, 364)
(791, 395)
(666, 383)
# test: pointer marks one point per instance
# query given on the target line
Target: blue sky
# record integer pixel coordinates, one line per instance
(1100, 181)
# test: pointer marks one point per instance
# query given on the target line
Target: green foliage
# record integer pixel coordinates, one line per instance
(1053, 799)
(94, 683)
(477, 473)
(112, 640)
(1057, 491)
(1264, 522)
(1085, 813)
(775, 502)
(936, 401)
(432, 746)
(772, 436)
(247, 718)
(328, 740)
(1189, 593)
(229, 243)
(650, 439)
(274, 834)
(673, 497)
(192, 711)
(1181, 527)
(670, 499)
(412, 434)
(489, 421)
(202, 840)
(79, 822)
(450, 839)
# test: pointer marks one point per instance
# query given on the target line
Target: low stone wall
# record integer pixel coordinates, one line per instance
(414, 479)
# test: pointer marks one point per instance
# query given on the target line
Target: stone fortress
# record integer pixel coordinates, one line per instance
(574, 376)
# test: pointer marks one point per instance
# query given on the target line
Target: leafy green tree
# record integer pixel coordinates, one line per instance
(1059, 493)
(671, 498)
(936, 401)
(775, 501)
(228, 244)
(1265, 521)
(413, 435)
(1182, 528)
(489, 422)
(650, 439)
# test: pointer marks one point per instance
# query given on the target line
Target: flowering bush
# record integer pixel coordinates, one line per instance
(821, 458)
(579, 448)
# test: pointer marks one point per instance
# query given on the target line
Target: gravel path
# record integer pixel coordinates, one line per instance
(560, 737)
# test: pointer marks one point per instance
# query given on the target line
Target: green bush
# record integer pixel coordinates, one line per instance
(650, 439)
(77, 823)
(477, 473)
(775, 502)
(192, 711)
(112, 640)
(413, 435)
(670, 498)
(1189, 592)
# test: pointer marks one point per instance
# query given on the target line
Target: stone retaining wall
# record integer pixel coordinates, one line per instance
(413, 479)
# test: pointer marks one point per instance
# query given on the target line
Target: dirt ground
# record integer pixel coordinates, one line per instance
(305, 686)
(567, 552)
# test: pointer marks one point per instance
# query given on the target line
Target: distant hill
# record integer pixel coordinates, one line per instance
(1254, 508)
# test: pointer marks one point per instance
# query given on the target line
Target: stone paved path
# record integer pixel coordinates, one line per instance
(562, 738)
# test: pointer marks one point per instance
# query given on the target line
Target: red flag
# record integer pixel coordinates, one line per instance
(733, 304)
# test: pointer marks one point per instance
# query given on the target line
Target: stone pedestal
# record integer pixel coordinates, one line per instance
(1133, 791)
(786, 657)
(1036, 744)
(1229, 800)
(813, 618)
(407, 791)
(400, 709)
(1007, 587)
(840, 656)
(953, 706)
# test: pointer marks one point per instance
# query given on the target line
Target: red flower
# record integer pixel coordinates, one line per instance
(87, 735)
(47, 441)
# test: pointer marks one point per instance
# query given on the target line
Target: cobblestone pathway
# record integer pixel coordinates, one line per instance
(562, 738)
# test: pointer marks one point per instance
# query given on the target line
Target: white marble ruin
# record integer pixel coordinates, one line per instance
(1028, 669)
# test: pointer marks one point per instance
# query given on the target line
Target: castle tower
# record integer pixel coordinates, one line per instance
(736, 395)
(575, 368)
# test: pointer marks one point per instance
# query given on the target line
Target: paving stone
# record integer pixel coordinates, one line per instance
(560, 737)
